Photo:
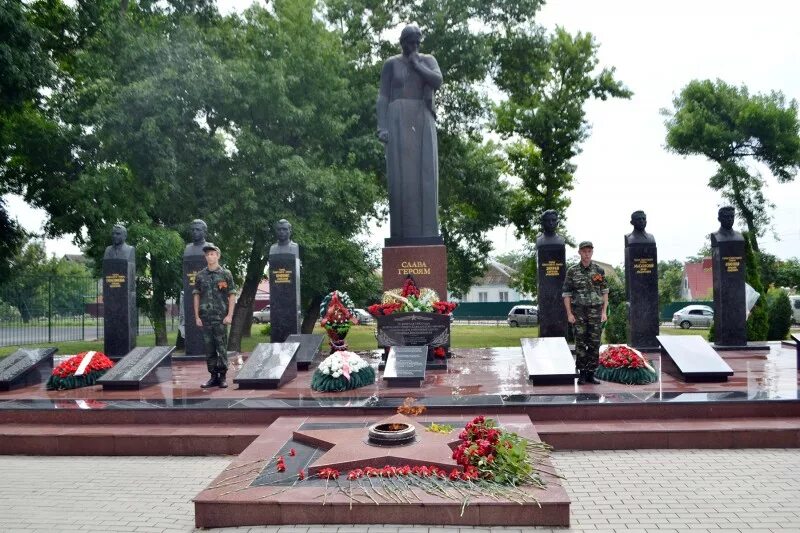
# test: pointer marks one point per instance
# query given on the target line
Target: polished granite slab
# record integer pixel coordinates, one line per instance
(548, 360)
(270, 366)
(26, 366)
(310, 344)
(691, 358)
(139, 368)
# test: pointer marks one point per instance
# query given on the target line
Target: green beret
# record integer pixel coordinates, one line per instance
(585, 244)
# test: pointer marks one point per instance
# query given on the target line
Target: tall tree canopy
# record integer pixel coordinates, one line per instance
(734, 129)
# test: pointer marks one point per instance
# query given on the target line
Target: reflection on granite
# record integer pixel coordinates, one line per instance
(482, 378)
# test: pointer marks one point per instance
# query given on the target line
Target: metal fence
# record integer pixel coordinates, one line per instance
(52, 308)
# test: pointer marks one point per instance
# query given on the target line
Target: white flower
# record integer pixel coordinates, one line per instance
(336, 374)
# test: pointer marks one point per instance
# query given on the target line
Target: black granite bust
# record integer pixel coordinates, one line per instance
(285, 244)
(407, 126)
(549, 221)
(726, 233)
(639, 235)
(198, 231)
(119, 249)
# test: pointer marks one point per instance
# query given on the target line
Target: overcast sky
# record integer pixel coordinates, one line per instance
(657, 48)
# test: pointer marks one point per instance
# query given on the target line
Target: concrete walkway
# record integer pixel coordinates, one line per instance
(658, 491)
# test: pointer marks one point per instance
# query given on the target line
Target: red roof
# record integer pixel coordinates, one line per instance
(701, 281)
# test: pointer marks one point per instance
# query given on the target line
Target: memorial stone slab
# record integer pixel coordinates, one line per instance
(119, 307)
(728, 269)
(284, 294)
(271, 365)
(192, 264)
(416, 329)
(405, 366)
(309, 348)
(641, 283)
(26, 367)
(548, 360)
(551, 271)
(140, 368)
(692, 359)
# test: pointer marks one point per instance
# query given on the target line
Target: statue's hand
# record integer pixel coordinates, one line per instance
(413, 58)
(383, 136)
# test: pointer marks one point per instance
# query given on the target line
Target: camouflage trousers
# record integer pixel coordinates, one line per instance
(215, 336)
(587, 336)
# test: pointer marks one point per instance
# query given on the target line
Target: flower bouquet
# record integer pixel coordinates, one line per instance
(411, 299)
(342, 371)
(80, 370)
(337, 312)
(622, 364)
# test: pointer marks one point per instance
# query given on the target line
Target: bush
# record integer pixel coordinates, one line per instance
(779, 311)
(617, 325)
(266, 329)
(757, 322)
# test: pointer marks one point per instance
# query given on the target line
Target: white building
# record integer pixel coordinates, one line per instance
(493, 286)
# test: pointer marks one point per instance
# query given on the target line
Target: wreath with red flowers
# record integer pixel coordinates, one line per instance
(622, 364)
(81, 370)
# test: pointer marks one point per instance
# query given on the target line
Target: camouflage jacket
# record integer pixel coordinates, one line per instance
(214, 287)
(585, 285)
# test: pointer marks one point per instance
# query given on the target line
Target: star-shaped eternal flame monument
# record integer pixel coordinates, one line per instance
(349, 448)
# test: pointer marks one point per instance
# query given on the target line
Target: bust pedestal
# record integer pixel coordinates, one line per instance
(284, 295)
(641, 285)
(550, 274)
(728, 266)
(119, 306)
(192, 264)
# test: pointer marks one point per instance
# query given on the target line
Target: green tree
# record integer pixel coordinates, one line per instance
(788, 273)
(734, 129)
(26, 288)
(758, 321)
(670, 281)
(548, 80)
(779, 310)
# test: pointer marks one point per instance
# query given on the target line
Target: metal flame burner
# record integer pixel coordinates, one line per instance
(392, 433)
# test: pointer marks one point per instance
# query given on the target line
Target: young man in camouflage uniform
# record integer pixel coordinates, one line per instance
(214, 298)
(585, 296)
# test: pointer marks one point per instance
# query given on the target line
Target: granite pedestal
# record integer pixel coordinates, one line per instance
(427, 265)
(551, 270)
(284, 293)
(140, 368)
(548, 361)
(193, 337)
(119, 307)
(26, 366)
(728, 267)
(641, 285)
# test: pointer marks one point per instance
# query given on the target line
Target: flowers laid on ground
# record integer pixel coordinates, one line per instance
(411, 299)
(80, 370)
(622, 364)
(337, 312)
(342, 371)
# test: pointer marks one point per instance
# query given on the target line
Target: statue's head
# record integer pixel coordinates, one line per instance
(283, 231)
(118, 235)
(726, 215)
(410, 38)
(198, 230)
(549, 221)
(638, 220)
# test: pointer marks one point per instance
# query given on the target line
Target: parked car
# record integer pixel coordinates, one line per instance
(795, 301)
(362, 316)
(261, 317)
(699, 316)
(523, 315)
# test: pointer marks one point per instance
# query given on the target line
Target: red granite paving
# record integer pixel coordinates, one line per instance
(471, 372)
(231, 501)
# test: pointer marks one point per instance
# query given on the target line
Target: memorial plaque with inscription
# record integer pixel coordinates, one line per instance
(119, 307)
(691, 358)
(284, 293)
(730, 316)
(192, 264)
(416, 329)
(405, 366)
(551, 271)
(270, 366)
(309, 348)
(548, 361)
(641, 285)
(141, 367)
(26, 367)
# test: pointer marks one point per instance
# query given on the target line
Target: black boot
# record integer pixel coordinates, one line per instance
(222, 383)
(581, 377)
(591, 379)
(211, 382)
